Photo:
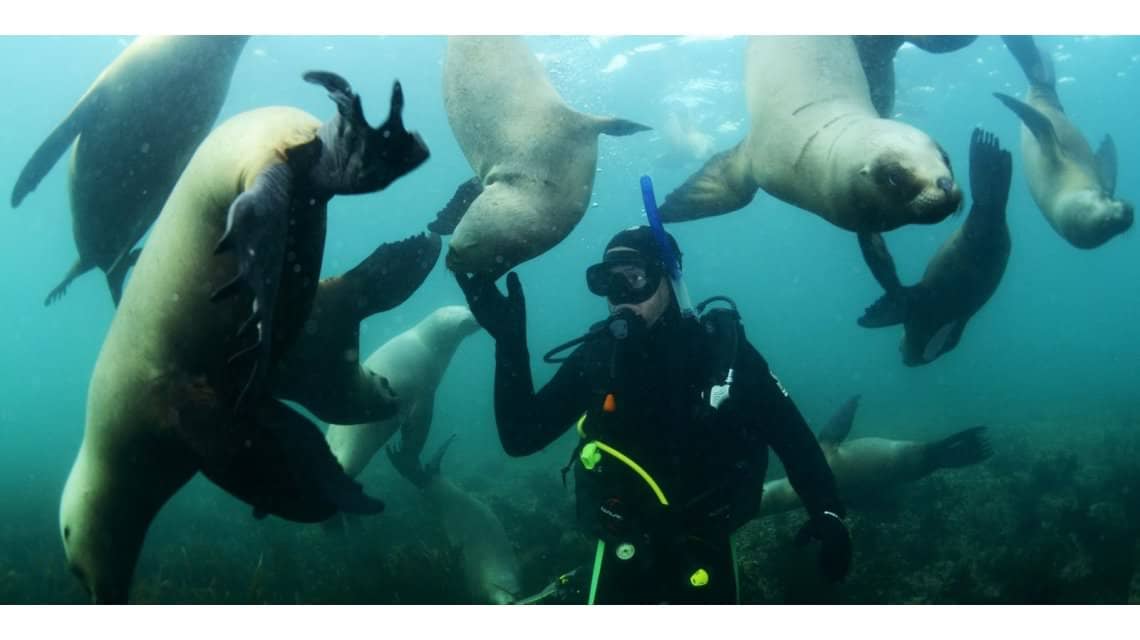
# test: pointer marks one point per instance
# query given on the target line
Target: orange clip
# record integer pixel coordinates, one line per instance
(609, 405)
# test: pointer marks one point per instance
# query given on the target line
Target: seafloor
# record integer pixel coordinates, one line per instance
(1052, 517)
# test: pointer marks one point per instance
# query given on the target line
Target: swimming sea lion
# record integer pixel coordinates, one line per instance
(166, 398)
(413, 363)
(961, 276)
(535, 156)
(1073, 187)
(135, 129)
(490, 566)
(322, 369)
(866, 468)
(818, 143)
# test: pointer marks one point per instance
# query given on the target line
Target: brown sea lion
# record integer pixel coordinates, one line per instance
(181, 382)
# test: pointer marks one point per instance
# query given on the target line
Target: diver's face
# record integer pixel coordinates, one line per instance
(652, 309)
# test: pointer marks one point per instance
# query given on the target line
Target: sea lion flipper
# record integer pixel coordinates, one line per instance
(1037, 123)
(1106, 165)
(449, 216)
(256, 231)
(961, 449)
(340, 92)
(991, 171)
(117, 273)
(837, 428)
(54, 145)
(407, 464)
(618, 126)
(723, 185)
(77, 269)
(891, 308)
(944, 339)
(392, 273)
(284, 467)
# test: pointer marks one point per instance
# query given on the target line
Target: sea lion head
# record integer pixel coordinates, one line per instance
(908, 179)
(1093, 217)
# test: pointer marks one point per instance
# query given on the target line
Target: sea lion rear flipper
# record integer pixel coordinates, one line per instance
(256, 231)
(449, 216)
(1031, 60)
(53, 147)
(1037, 123)
(961, 449)
(891, 308)
(723, 185)
(1106, 165)
(941, 44)
(118, 273)
(991, 171)
(837, 428)
(284, 467)
(77, 269)
(392, 273)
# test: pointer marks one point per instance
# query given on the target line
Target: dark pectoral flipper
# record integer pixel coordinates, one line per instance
(256, 232)
(1106, 165)
(991, 170)
(618, 126)
(449, 216)
(53, 147)
(723, 185)
(1037, 123)
(285, 468)
(837, 428)
(890, 309)
(959, 450)
(118, 273)
(944, 339)
(393, 272)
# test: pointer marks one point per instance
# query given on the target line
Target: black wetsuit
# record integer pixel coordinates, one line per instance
(709, 464)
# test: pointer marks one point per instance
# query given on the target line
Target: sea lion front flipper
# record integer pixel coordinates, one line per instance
(961, 449)
(117, 273)
(617, 126)
(944, 339)
(723, 185)
(53, 147)
(837, 428)
(1106, 165)
(991, 171)
(407, 464)
(256, 231)
(449, 216)
(1037, 124)
(891, 308)
(284, 467)
(392, 273)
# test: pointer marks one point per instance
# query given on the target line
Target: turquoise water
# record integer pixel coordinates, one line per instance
(1054, 353)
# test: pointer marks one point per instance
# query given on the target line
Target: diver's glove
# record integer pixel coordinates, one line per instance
(835, 544)
(504, 317)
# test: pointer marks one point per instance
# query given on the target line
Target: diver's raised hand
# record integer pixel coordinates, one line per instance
(504, 317)
(835, 544)
(991, 169)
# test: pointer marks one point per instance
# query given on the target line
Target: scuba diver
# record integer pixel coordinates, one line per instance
(676, 413)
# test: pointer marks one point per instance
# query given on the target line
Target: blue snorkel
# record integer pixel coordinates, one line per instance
(672, 265)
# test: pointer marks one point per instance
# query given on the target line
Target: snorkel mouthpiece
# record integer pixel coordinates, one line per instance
(672, 265)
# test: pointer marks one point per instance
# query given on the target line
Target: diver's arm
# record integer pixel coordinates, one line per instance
(788, 434)
(528, 421)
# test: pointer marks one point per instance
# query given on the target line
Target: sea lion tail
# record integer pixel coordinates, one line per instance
(449, 216)
(724, 184)
(962, 449)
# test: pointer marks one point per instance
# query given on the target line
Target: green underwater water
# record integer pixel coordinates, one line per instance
(1049, 365)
